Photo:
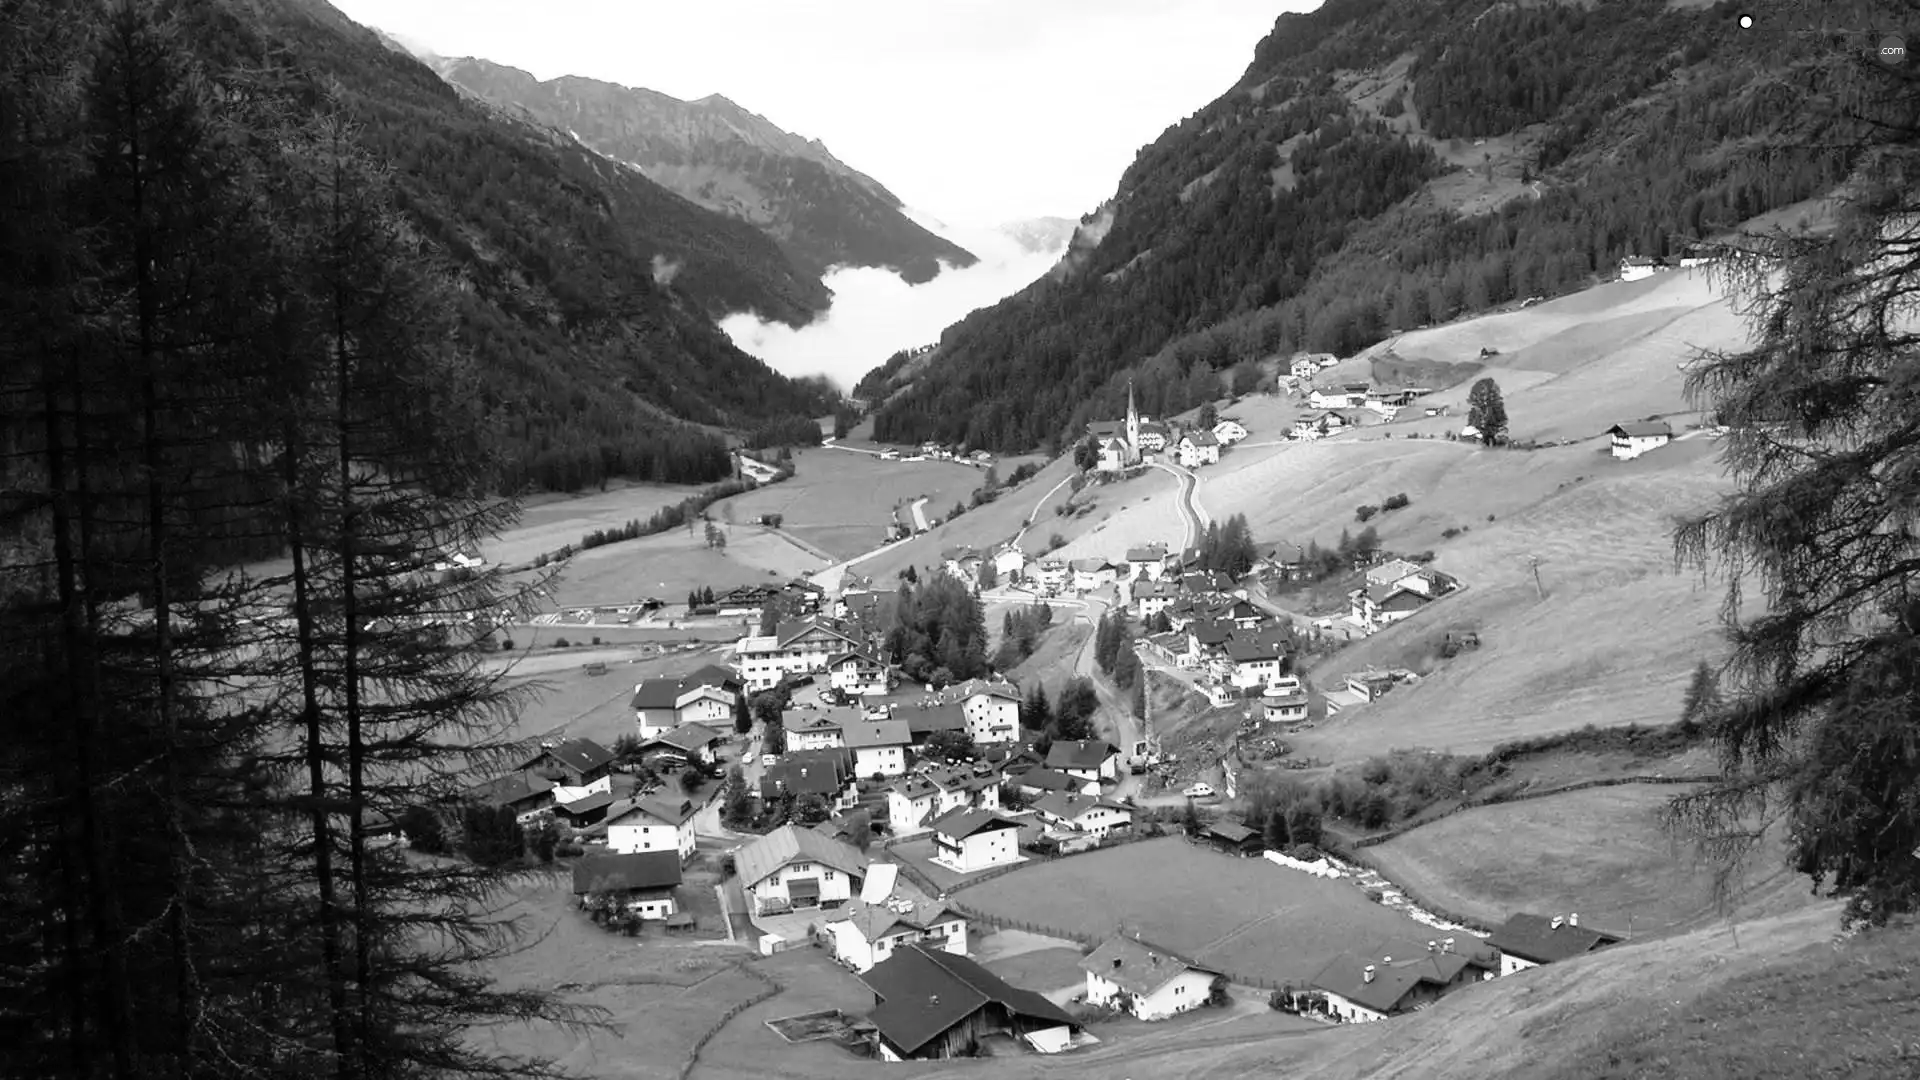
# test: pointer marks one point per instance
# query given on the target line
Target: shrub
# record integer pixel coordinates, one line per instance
(561, 643)
(596, 639)
(506, 644)
(1396, 502)
(1450, 532)
(1362, 513)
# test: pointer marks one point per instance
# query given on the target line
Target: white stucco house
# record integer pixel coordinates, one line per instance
(1088, 760)
(1229, 431)
(970, 840)
(1630, 440)
(1196, 449)
(879, 747)
(855, 672)
(1285, 701)
(992, 709)
(889, 914)
(792, 867)
(1397, 978)
(1088, 814)
(1526, 941)
(794, 648)
(1145, 981)
(818, 729)
(660, 705)
(653, 823)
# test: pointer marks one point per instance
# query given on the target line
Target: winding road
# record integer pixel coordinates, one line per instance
(1190, 508)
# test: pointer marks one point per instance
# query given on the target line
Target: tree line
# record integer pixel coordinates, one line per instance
(220, 338)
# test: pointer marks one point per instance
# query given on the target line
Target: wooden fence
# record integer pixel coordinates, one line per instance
(772, 988)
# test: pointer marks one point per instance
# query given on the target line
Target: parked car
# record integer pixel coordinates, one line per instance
(769, 759)
(1198, 791)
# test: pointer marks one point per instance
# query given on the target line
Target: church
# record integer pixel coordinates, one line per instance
(1123, 444)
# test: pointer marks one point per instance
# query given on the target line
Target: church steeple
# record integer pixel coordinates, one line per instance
(1133, 421)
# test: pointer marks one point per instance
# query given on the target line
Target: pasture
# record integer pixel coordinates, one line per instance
(841, 501)
(594, 707)
(666, 565)
(1598, 851)
(1248, 916)
(983, 526)
(551, 522)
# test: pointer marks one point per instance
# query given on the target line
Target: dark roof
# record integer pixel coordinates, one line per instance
(787, 632)
(961, 822)
(925, 721)
(1346, 976)
(924, 992)
(713, 675)
(1047, 779)
(876, 734)
(1232, 832)
(689, 737)
(805, 777)
(1080, 754)
(1211, 633)
(640, 870)
(1640, 429)
(588, 803)
(672, 811)
(584, 755)
(511, 789)
(1243, 651)
(1535, 938)
(1068, 806)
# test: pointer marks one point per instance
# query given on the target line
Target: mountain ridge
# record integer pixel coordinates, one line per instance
(726, 158)
(1379, 165)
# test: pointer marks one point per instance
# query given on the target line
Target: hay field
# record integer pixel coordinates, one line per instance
(1599, 851)
(842, 501)
(666, 565)
(1611, 643)
(1129, 513)
(981, 527)
(1252, 918)
(551, 522)
(597, 706)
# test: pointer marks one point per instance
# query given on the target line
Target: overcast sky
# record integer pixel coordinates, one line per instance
(977, 112)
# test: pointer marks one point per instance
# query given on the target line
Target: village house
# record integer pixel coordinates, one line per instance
(932, 1005)
(911, 803)
(1526, 941)
(1197, 448)
(1285, 701)
(1147, 562)
(1206, 639)
(1327, 398)
(676, 747)
(857, 673)
(1244, 616)
(962, 563)
(529, 795)
(1378, 605)
(890, 914)
(1635, 267)
(794, 648)
(1035, 783)
(1086, 814)
(924, 721)
(1229, 431)
(743, 600)
(1360, 988)
(1392, 572)
(970, 840)
(1146, 981)
(1092, 573)
(653, 823)
(1255, 662)
(826, 773)
(1323, 424)
(573, 763)
(879, 747)
(1304, 367)
(1630, 440)
(583, 810)
(1052, 575)
(991, 708)
(792, 867)
(1282, 561)
(965, 787)
(1150, 598)
(1153, 436)
(1009, 563)
(641, 882)
(817, 729)
(1089, 760)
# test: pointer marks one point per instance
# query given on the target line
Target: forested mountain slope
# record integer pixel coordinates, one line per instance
(589, 292)
(822, 211)
(1381, 165)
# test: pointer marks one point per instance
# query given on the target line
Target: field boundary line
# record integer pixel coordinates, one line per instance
(1377, 839)
(769, 991)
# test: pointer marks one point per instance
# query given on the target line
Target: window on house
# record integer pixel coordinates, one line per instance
(829, 875)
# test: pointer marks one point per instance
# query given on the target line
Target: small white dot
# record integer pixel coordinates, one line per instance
(1746, 22)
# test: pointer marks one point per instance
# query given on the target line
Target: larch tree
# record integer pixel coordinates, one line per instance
(1487, 411)
(1820, 733)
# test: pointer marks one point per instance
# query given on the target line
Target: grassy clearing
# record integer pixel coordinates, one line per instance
(551, 522)
(841, 495)
(1251, 918)
(746, 1048)
(1141, 510)
(1045, 970)
(597, 706)
(1599, 851)
(1052, 662)
(981, 527)
(666, 565)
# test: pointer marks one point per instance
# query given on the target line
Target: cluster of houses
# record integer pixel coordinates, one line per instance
(933, 451)
(1395, 590)
(1139, 440)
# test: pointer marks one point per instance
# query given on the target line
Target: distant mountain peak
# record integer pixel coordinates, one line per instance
(725, 157)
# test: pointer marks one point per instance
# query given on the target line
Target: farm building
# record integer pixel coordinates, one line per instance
(933, 1005)
(970, 840)
(890, 914)
(653, 823)
(1235, 838)
(1399, 978)
(1145, 981)
(1526, 941)
(793, 868)
(1630, 440)
(643, 882)
(574, 763)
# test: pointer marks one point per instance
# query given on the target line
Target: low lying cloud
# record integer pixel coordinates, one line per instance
(664, 270)
(876, 314)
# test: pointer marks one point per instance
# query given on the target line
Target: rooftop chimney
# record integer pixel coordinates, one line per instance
(1573, 919)
(1116, 963)
(1367, 976)
(1555, 925)
(1449, 944)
